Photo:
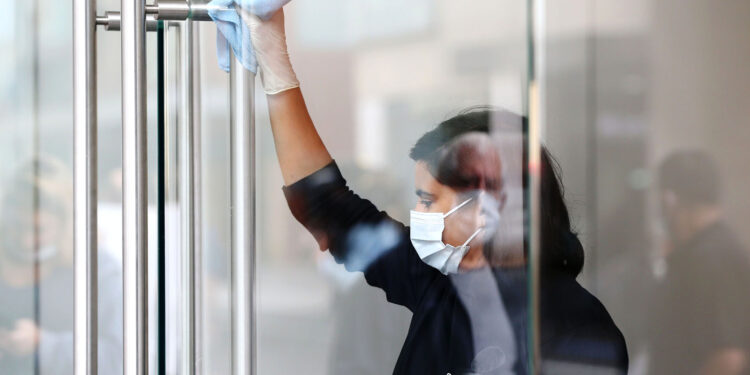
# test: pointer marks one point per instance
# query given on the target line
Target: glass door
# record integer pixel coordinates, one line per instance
(646, 109)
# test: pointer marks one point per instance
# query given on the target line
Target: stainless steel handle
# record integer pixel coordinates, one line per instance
(177, 10)
(85, 187)
(111, 21)
(134, 221)
(242, 140)
(169, 9)
(173, 10)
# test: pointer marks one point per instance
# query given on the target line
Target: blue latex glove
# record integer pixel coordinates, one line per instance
(234, 33)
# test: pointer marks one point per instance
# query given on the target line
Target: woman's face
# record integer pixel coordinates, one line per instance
(432, 196)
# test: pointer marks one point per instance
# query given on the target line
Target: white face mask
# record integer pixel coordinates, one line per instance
(427, 238)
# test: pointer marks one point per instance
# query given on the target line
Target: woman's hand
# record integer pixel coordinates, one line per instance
(269, 42)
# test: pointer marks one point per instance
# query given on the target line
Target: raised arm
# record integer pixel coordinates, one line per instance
(357, 234)
(298, 145)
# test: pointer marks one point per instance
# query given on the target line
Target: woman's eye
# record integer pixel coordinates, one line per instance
(426, 203)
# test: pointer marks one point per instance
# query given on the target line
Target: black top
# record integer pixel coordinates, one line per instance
(576, 330)
(700, 306)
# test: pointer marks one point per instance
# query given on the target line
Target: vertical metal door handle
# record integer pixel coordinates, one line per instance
(242, 140)
(85, 187)
(134, 221)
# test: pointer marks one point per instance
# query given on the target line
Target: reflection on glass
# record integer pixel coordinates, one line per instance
(373, 88)
(460, 267)
(663, 232)
(36, 277)
(647, 107)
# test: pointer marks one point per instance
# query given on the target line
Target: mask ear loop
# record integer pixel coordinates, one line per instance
(472, 236)
(457, 207)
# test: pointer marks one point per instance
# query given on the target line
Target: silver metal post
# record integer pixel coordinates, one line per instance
(134, 231)
(242, 138)
(197, 199)
(190, 196)
(85, 186)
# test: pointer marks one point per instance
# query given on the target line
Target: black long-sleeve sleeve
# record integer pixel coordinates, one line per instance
(359, 236)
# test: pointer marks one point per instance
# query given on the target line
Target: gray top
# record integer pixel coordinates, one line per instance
(492, 333)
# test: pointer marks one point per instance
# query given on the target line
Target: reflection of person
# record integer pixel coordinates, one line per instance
(415, 266)
(36, 274)
(576, 332)
(367, 332)
(699, 313)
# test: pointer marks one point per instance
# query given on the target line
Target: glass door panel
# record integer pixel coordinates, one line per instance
(646, 111)
(376, 78)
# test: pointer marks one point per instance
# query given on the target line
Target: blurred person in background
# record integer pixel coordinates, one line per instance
(36, 277)
(699, 313)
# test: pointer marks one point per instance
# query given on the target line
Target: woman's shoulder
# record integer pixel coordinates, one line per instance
(566, 303)
(578, 321)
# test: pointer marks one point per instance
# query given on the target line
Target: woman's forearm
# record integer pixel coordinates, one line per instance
(298, 146)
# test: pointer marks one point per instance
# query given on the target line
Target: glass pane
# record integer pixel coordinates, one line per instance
(646, 107)
(36, 279)
(36, 251)
(376, 76)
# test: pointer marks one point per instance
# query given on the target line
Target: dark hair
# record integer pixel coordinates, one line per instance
(430, 144)
(561, 249)
(452, 161)
(692, 175)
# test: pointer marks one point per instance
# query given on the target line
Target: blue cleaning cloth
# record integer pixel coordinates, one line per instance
(234, 33)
